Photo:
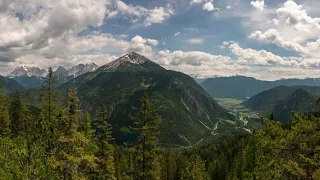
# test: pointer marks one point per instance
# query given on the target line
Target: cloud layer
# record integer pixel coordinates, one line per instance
(68, 32)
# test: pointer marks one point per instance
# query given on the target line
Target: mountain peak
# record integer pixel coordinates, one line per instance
(60, 70)
(128, 60)
(82, 69)
(28, 71)
(133, 58)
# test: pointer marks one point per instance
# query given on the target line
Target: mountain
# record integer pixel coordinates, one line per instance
(9, 85)
(61, 71)
(238, 87)
(28, 71)
(187, 111)
(29, 82)
(198, 78)
(299, 101)
(266, 99)
(241, 87)
(282, 100)
(81, 69)
(32, 77)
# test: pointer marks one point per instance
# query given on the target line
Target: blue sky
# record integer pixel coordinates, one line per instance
(266, 39)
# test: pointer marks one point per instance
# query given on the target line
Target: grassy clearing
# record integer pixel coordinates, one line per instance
(230, 100)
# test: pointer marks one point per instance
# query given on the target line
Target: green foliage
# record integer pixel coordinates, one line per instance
(60, 141)
(188, 112)
(146, 123)
(20, 117)
(4, 115)
(106, 150)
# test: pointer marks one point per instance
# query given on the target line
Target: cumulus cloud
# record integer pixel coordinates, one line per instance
(208, 6)
(258, 4)
(153, 42)
(48, 31)
(274, 36)
(262, 58)
(194, 58)
(138, 13)
(42, 27)
(195, 40)
(158, 15)
(292, 21)
(139, 44)
(196, 2)
(196, 62)
(293, 29)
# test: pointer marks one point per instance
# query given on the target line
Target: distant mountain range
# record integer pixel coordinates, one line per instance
(241, 87)
(282, 100)
(28, 71)
(9, 85)
(187, 111)
(32, 77)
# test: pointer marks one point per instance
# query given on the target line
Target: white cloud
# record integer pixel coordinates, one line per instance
(46, 25)
(194, 58)
(159, 15)
(138, 44)
(208, 6)
(195, 41)
(153, 42)
(258, 4)
(261, 58)
(274, 36)
(176, 34)
(196, 62)
(292, 21)
(196, 2)
(138, 13)
(228, 7)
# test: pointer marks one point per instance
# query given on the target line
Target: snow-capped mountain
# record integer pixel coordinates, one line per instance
(28, 71)
(25, 71)
(126, 60)
(81, 69)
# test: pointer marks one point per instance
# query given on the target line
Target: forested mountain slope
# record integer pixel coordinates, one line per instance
(187, 111)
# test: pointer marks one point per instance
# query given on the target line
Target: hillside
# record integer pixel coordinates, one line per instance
(299, 101)
(187, 111)
(9, 85)
(241, 87)
(282, 100)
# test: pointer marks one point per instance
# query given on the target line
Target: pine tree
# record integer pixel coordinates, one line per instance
(50, 112)
(87, 126)
(20, 117)
(194, 169)
(106, 150)
(146, 123)
(71, 157)
(4, 115)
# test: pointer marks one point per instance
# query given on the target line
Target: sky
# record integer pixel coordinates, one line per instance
(265, 39)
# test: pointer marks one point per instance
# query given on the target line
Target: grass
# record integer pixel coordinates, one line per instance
(230, 100)
(229, 121)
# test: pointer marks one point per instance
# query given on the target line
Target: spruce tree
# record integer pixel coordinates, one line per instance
(87, 126)
(106, 150)
(146, 123)
(20, 117)
(50, 112)
(4, 114)
(71, 157)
